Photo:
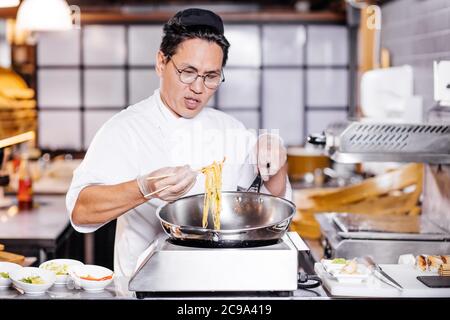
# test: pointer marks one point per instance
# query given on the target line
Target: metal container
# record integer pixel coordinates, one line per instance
(247, 219)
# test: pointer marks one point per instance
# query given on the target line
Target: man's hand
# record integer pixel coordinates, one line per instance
(173, 184)
(271, 155)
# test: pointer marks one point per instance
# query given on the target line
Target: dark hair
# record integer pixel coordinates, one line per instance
(175, 32)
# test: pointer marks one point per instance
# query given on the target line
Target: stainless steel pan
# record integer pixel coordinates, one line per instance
(247, 219)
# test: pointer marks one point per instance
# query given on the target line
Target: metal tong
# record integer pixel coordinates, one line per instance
(256, 184)
(381, 275)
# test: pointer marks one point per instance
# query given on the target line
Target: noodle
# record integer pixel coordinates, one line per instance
(213, 193)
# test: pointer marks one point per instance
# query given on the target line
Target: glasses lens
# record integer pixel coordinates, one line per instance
(212, 81)
(188, 76)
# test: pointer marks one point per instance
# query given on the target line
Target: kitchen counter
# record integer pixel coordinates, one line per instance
(118, 290)
(41, 229)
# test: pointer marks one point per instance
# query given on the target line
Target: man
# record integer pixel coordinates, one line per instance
(169, 135)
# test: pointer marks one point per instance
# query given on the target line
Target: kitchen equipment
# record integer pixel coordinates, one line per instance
(384, 246)
(380, 274)
(169, 266)
(303, 161)
(395, 142)
(389, 142)
(405, 275)
(247, 219)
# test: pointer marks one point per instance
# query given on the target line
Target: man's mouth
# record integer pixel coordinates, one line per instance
(191, 103)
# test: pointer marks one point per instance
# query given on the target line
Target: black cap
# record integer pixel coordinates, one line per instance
(201, 17)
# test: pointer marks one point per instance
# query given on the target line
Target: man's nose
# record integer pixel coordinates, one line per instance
(197, 86)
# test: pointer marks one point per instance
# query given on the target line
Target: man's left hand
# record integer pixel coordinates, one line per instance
(271, 155)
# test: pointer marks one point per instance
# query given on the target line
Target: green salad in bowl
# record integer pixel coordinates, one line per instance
(60, 267)
(5, 273)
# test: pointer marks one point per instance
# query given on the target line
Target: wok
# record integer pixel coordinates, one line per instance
(247, 219)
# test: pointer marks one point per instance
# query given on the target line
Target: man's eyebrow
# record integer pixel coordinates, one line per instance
(188, 66)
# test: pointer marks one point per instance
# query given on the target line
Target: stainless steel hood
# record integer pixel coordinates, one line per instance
(388, 142)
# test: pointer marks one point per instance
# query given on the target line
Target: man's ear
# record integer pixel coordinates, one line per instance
(160, 62)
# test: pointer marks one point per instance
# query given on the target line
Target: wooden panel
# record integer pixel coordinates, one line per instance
(381, 195)
(11, 257)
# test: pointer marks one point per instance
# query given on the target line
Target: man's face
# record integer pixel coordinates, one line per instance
(195, 55)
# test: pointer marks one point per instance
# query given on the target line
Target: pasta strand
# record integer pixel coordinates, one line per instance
(213, 193)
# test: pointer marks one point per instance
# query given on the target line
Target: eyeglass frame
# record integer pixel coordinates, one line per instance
(222, 75)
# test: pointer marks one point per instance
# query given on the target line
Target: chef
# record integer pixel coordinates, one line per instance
(152, 152)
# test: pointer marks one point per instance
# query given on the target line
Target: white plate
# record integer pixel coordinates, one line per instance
(330, 266)
(61, 279)
(362, 274)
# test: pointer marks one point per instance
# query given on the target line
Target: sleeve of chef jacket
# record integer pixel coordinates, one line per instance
(247, 174)
(110, 159)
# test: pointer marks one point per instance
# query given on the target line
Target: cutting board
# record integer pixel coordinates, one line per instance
(405, 275)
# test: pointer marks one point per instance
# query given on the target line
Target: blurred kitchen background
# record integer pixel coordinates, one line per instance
(301, 67)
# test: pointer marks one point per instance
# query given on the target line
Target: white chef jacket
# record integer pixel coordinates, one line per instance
(148, 136)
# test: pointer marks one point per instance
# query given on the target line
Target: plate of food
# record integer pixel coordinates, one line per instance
(346, 271)
(431, 263)
(61, 268)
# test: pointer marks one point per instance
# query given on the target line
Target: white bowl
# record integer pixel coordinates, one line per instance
(47, 276)
(57, 265)
(80, 272)
(7, 267)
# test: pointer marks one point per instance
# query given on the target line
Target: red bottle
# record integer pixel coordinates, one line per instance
(25, 187)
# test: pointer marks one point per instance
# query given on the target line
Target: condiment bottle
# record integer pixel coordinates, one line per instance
(25, 186)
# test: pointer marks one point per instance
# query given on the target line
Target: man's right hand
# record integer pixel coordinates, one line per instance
(179, 181)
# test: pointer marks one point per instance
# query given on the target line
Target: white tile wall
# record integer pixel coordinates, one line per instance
(240, 89)
(142, 84)
(317, 121)
(60, 129)
(93, 120)
(327, 88)
(59, 48)
(282, 89)
(283, 103)
(327, 45)
(59, 88)
(104, 88)
(245, 49)
(143, 44)
(250, 119)
(104, 45)
(283, 45)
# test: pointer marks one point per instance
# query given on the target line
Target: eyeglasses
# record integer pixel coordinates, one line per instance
(210, 80)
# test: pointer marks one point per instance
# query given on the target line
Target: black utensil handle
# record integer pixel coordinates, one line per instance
(317, 139)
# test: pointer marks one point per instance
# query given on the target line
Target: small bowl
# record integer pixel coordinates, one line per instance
(87, 277)
(47, 276)
(57, 265)
(7, 267)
